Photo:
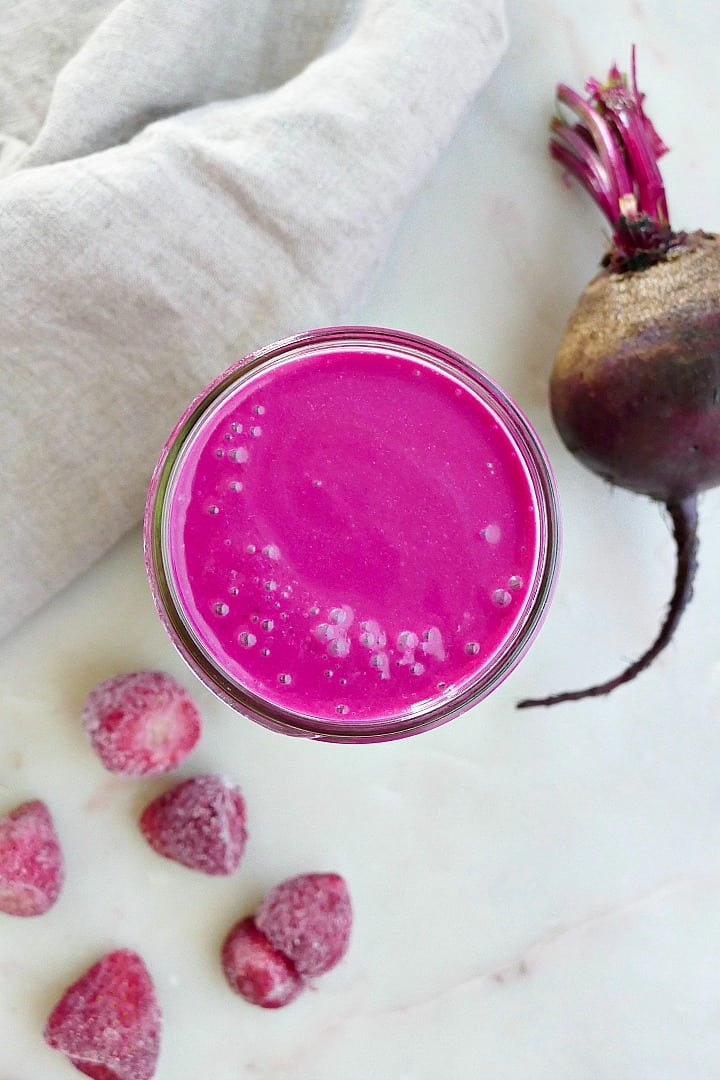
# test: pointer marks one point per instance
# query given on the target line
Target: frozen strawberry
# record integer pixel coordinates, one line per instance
(199, 823)
(31, 862)
(256, 970)
(108, 1022)
(308, 918)
(141, 724)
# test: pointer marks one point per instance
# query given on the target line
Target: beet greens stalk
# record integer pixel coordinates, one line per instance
(635, 389)
(613, 150)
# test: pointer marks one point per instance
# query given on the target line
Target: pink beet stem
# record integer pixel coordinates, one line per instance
(611, 148)
(602, 145)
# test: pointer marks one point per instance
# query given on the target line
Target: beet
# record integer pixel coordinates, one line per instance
(635, 389)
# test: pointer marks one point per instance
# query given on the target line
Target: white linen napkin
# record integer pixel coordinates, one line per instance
(181, 182)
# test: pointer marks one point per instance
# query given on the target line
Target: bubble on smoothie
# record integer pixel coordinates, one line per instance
(341, 616)
(491, 534)
(267, 624)
(236, 427)
(339, 647)
(251, 549)
(367, 639)
(472, 648)
(432, 643)
(270, 585)
(417, 669)
(265, 652)
(375, 632)
(381, 662)
(342, 710)
(501, 597)
(246, 639)
(271, 551)
(221, 608)
(407, 639)
(233, 590)
(219, 452)
(317, 483)
(235, 485)
(324, 632)
(259, 410)
(515, 582)
(213, 509)
(314, 610)
(239, 454)
(256, 431)
(285, 678)
(328, 673)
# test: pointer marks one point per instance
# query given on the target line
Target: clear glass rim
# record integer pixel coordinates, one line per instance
(441, 709)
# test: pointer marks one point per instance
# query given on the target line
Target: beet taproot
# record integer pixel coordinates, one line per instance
(635, 388)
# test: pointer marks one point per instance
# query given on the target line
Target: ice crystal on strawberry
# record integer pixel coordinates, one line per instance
(31, 862)
(200, 823)
(258, 971)
(108, 1022)
(301, 930)
(308, 918)
(144, 723)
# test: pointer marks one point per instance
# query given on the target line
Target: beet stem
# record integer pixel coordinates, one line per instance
(684, 516)
(609, 145)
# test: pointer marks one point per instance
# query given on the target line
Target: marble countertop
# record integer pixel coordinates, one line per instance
(537, 893)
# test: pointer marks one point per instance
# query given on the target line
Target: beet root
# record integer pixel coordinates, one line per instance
(635, 396)
(683, 515)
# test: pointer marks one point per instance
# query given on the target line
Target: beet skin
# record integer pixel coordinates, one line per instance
(635, 391)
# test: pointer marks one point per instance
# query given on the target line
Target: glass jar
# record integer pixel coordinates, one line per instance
(352, 535)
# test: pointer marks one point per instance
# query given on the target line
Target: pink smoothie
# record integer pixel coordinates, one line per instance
(352, 535)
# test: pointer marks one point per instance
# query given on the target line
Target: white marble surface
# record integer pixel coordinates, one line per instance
(537, 893)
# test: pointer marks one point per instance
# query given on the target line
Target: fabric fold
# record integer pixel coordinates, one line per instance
(165, 218)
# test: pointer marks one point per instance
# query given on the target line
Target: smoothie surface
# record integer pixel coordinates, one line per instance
(351, 534)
